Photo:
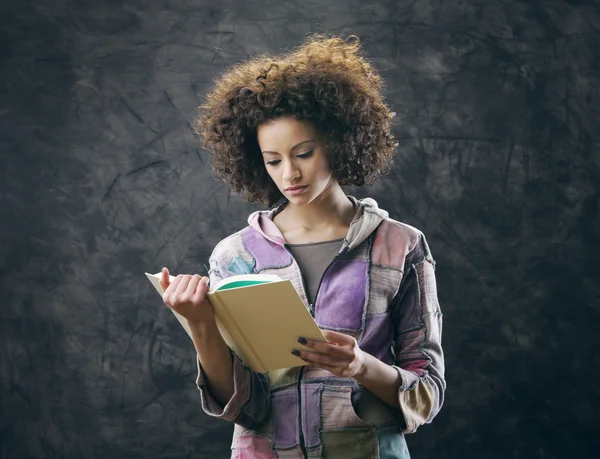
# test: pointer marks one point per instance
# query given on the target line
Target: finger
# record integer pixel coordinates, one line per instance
(164, 279)
(335, 367)
(325, 348)
(202, 288)
(317, 358)
(184, 280)
(192, 285)
(170, 292)
(337, 337)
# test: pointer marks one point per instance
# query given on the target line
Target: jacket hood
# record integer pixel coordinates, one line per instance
(367, 218)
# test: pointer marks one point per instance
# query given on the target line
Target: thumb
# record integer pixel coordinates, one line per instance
(336, 337)
(164, 279)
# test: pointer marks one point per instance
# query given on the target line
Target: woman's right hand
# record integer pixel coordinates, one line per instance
(186, 295)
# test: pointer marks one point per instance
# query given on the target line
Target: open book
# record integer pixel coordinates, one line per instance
(260, 317)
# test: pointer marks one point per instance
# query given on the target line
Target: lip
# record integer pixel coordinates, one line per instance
(296, 189)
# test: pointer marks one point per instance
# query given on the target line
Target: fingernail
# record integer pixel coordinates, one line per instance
(296, 352)
(302, 340)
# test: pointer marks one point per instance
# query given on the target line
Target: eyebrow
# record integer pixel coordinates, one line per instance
(291, 149)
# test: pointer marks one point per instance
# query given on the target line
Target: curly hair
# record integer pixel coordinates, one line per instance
(324, 81)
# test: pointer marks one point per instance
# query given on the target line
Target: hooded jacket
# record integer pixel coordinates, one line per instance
(380, 288)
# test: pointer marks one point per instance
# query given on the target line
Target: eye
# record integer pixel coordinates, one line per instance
(274, 162)
(306, 155)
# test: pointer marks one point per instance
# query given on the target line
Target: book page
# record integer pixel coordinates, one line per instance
(155, 279)
(244, 280)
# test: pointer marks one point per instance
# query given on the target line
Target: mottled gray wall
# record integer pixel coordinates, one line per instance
(100, 180)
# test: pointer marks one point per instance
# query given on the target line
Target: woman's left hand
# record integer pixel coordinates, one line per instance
(340, 355)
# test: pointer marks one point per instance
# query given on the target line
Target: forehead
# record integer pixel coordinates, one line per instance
(284, 133)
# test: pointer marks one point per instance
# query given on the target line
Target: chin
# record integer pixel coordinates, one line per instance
(301, 199)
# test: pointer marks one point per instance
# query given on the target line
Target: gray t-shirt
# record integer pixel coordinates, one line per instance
(313, 259)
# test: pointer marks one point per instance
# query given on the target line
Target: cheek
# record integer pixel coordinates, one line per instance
(323, 172)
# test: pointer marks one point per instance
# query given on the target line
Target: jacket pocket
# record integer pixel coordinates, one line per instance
(376, 412)
(337, 410)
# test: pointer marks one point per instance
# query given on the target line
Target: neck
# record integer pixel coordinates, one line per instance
(331, 208)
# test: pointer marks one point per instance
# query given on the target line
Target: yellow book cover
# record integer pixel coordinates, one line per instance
(260, 318)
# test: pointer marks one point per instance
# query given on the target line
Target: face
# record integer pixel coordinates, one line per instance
(296, 159)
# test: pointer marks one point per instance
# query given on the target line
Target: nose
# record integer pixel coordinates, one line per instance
(291, 172)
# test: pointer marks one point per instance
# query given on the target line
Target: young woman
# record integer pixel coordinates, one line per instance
(292, 130)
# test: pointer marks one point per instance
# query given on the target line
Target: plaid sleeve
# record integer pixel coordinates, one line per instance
(419, 357)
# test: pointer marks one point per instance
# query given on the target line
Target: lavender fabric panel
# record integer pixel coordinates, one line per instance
(311, 414)
(267, 254)
(285, 412)
(377, 338)
(341, 298)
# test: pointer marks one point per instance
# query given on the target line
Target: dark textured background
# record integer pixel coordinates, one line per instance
(100, 180)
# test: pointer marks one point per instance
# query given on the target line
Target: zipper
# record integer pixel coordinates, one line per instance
(311, 309)
(302, 442)
(336, 258)
(301, 436)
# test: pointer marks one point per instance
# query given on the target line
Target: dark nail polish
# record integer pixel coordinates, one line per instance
(302, 340)
(296, 352)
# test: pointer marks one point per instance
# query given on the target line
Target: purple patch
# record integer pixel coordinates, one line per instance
(285, 407)
(267, 254)
(311, 416)
(341, 298)
(377, 338)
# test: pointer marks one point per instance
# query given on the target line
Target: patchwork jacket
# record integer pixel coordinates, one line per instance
(380, 288)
